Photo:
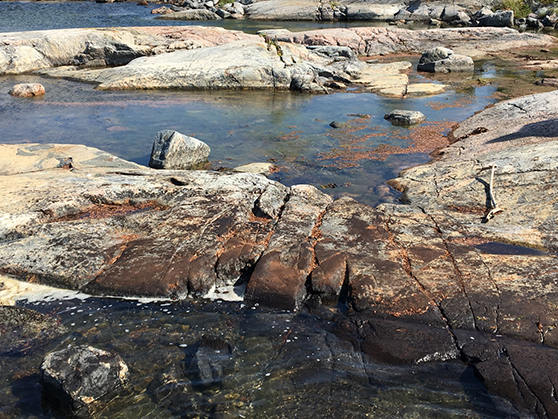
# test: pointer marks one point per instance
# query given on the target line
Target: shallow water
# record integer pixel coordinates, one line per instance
(292, 130)
(284, 364)
(20, 16)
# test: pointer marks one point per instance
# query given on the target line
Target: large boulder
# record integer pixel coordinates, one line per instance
(173, 150)
(79, 376)
(443, 60)
(502, 18)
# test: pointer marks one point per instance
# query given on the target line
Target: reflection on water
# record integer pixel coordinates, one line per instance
(21, 16)
(292, 130)
(282, 365)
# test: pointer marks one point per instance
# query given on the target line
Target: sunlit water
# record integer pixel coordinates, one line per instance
(282, 362)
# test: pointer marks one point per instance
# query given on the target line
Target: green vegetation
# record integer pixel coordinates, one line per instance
(521, 8)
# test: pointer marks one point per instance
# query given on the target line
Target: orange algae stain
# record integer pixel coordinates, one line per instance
(425, 138)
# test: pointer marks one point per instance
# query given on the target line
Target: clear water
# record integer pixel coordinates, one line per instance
(282, 367)
(292, 130)
(18, 16)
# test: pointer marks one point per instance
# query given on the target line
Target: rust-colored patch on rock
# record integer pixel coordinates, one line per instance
(96, 212)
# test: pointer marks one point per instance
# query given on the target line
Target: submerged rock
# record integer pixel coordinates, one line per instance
(27, 90)
(212, 362)
(173, 150)
(22, 329)
(79, 376)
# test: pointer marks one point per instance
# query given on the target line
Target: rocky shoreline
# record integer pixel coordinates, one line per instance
(431, 279)
(111, 227)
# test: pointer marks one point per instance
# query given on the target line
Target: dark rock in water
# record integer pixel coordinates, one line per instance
(403, 117)
(78, 376)
(173, 150)
(22, 329)
(522, 372)
(443, 60)
(212, 362)
(337, 124)
(397, 342)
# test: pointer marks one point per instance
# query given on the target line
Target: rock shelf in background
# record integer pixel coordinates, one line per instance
(215, 58)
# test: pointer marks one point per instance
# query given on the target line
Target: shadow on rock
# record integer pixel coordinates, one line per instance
(548, 128)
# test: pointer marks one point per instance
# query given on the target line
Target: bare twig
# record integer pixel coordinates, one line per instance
(493, 207)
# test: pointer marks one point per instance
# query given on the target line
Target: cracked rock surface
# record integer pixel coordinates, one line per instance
(425, 280)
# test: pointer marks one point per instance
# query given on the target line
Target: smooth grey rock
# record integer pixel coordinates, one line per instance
(404, 117)
(27, 90)
(80, 375)
(497, 19)
(443, 60)
(173, 150)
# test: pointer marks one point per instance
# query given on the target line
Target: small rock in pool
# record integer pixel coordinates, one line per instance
(402, 117)
(27, 90)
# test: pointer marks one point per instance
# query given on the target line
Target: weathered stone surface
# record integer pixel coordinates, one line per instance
(404, 117)
(27, 90)
(21, 52)
(497, 19)
(279, 278)
(443, 60)
(474, 42)
(194, 14)
(22, 329)
(173, 150)
(78, 376)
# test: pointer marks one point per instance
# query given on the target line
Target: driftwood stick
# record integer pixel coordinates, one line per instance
(493, 207)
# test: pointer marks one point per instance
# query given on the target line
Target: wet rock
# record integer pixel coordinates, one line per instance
(497, 19)
(337, 124)
(397, 342)
(79, 376)
(404, 117)
(27, 90)
(212, 362)
(22, 329)
(173, 150)
(443, 60)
